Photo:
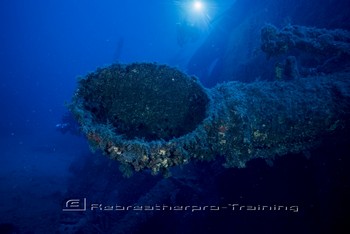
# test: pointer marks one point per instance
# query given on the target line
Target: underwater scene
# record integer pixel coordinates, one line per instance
(174, 116)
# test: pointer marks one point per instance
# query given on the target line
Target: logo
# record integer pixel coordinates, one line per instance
(75, 205)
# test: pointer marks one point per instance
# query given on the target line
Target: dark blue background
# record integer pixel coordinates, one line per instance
(46, 45)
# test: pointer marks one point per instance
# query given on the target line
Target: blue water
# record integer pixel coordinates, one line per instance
(46, 45)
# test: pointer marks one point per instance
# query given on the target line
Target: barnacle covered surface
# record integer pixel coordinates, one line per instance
(130, 111)
(148, 116)
(144, 100)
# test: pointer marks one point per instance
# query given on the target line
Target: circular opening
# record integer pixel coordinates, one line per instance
(146, 101)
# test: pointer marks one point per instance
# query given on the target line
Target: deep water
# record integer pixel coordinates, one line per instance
(46, 45)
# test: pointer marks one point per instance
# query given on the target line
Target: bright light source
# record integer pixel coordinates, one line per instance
(195, 12)
(198, 5)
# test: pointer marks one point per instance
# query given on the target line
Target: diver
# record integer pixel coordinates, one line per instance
(68, 124)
